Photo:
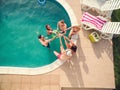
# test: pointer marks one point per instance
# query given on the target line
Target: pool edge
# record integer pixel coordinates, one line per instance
(31, 71)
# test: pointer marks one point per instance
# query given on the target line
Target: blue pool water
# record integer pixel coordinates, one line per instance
(19, 22)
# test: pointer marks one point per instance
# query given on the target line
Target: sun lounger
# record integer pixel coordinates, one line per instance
(107, 28)
(102, 5)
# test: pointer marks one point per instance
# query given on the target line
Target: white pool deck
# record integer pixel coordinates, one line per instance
(90, 69)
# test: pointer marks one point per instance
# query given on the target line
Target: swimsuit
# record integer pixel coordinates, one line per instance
(75, 36)
(48, 46)
(59, 56)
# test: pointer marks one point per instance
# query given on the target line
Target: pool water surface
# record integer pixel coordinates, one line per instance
(20, 23)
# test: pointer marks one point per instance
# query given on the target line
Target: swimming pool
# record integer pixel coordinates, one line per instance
(20, 20)
(42, 69)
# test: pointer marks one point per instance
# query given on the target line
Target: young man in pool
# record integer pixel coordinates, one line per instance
(45, 42)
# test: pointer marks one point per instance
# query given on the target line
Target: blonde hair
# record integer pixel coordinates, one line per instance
(77, 27)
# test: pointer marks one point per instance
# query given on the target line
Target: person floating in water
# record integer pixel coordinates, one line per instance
(45, 42)
(49, 29)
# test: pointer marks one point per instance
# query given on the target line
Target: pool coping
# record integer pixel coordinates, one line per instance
(31, 71)
(44, 69)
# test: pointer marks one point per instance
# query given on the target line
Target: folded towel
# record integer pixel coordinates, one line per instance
(96, 21)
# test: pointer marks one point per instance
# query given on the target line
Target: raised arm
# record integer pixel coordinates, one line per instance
(66, 43)
(58, 26)
(68, 39)
(49, 40)
(68, 28)
(61, 46)
(61, 42)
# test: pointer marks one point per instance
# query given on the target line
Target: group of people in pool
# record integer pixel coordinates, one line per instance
(70, 41)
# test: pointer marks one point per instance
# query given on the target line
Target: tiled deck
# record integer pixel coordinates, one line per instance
(92, 67)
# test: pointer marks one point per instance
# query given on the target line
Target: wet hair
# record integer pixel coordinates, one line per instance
(74, 48)
(46, 26)
(39, 36)
(62, 21)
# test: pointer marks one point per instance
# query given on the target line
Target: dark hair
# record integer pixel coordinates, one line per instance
(74, 48)
(62, 21)
(39, 36)
(46, 25)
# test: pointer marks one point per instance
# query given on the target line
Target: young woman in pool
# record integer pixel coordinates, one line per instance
(45, 42)
(64, 54)
(49, 29)
(61, 25)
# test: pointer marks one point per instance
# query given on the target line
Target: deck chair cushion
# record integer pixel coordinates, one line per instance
(96, 21)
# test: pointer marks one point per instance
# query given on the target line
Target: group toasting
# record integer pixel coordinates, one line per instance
(70, 40)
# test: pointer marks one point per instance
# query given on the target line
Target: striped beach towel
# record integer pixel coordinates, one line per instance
(96, 21)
